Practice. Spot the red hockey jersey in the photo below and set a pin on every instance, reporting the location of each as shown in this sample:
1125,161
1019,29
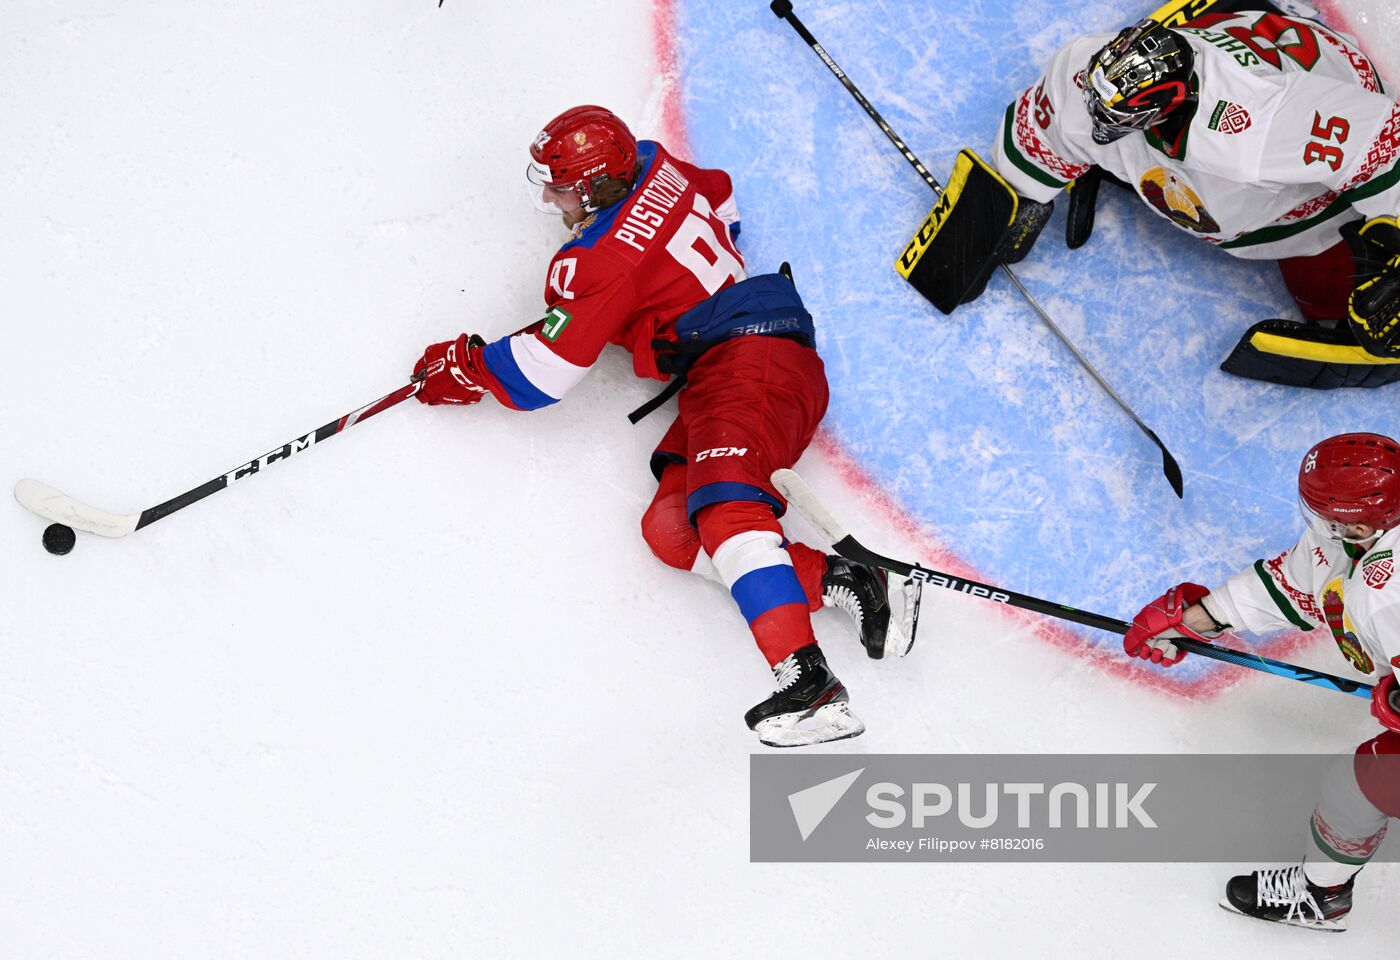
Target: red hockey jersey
624,277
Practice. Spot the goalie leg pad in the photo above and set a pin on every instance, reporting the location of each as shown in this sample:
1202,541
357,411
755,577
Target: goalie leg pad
1303,355
955,249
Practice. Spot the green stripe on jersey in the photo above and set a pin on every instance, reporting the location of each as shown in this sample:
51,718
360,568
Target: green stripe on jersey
1343,203
1284,605
1018,158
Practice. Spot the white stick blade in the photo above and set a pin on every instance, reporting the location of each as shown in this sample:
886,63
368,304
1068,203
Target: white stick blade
57,506
795,489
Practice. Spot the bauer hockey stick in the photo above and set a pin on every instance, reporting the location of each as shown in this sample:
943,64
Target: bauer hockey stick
795,489
783,9
57,506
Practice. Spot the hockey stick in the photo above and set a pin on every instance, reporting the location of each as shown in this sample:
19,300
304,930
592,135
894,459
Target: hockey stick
783,9
795,489
54,505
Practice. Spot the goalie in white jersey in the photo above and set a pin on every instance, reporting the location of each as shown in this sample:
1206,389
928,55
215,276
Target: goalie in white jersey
1339,577
1268,136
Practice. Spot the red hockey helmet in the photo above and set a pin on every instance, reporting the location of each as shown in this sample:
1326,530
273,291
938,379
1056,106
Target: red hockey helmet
580,149
1351,478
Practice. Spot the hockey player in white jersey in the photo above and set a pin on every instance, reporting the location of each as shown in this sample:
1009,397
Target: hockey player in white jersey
1340,577
1268,136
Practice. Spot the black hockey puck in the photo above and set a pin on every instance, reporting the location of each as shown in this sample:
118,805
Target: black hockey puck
59,539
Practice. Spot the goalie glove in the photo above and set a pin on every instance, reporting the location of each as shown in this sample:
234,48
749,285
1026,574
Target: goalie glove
1375,303
1031,218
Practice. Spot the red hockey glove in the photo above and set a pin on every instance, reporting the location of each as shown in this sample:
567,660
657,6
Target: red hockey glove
1158,623
453,372
1385,703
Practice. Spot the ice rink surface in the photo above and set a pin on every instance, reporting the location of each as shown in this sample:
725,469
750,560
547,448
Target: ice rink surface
424,692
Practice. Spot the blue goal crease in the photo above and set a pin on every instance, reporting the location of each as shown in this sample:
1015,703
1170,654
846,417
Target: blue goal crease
996,441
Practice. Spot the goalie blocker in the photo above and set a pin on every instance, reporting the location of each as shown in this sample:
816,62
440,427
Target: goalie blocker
974,227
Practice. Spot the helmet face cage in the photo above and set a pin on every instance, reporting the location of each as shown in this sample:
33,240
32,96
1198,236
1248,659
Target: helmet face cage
1141,76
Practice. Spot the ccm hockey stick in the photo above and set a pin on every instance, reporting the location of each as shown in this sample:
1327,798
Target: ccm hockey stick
54,505
783,9
795,489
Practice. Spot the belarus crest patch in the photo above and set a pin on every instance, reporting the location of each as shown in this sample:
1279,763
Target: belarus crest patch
1377,570
1230,118
1334,609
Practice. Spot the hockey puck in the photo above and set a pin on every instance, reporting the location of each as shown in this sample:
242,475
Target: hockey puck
59,539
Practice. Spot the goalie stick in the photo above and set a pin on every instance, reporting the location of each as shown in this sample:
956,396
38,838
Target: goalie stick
51,504
795,489
783,9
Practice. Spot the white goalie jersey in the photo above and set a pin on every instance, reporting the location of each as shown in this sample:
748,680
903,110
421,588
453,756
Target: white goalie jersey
1293,134
1323,583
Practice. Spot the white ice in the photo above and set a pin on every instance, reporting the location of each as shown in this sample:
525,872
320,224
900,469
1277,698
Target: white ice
423,692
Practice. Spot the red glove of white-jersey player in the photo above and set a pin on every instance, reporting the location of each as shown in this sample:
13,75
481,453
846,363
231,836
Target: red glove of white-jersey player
1157,624
1385,703
453,372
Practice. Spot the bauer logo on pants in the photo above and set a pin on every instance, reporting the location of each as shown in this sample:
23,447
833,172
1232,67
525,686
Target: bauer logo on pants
833,808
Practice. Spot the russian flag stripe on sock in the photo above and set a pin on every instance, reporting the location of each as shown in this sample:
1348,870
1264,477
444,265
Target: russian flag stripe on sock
761,590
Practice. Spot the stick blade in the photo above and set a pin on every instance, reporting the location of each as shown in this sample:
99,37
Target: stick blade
795,489
44,500
1170,467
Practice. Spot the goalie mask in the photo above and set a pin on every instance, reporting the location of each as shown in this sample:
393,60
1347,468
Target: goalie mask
1138,79
1351,478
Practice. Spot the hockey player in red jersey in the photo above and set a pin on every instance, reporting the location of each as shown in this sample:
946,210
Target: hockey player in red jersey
1337,577
1268,136
651,265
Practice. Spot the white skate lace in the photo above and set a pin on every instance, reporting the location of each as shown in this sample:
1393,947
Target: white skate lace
1286,887
787,672
844,598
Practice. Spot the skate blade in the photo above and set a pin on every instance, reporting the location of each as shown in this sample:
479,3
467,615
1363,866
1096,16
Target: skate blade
823,725
1321,926
903,629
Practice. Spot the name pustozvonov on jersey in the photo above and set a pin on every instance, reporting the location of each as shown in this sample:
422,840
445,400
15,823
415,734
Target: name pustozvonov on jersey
649,209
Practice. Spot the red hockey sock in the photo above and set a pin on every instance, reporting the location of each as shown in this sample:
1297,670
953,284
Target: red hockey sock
745,541
809,564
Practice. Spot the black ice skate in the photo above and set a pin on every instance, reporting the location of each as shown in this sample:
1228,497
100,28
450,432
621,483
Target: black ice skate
864,593
810,705
1285,895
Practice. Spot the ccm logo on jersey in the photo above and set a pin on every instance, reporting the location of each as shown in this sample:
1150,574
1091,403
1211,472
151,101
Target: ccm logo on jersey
721,452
